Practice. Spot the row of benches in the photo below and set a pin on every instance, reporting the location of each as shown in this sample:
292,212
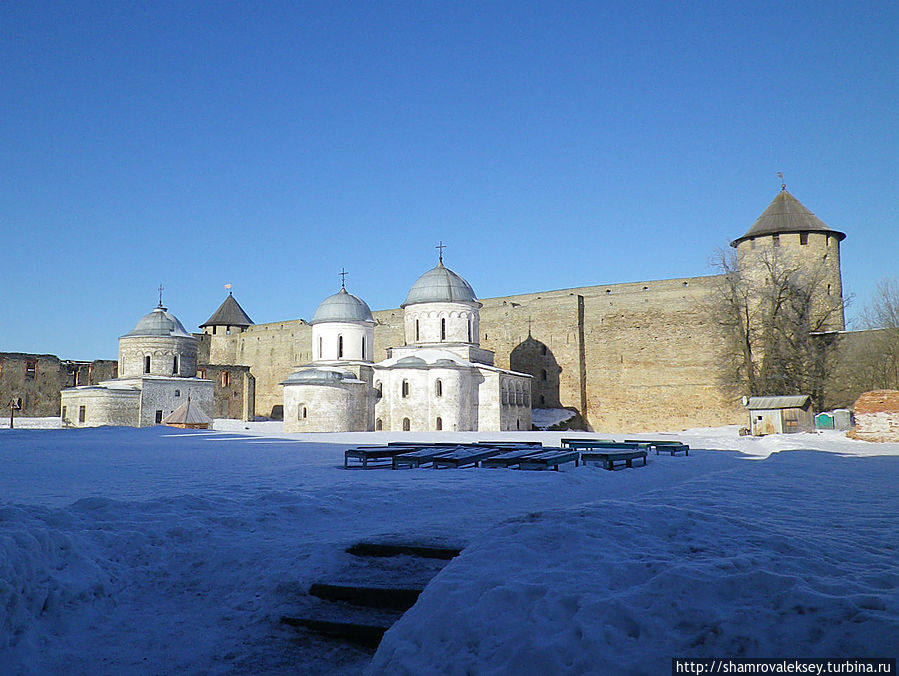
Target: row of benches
524,455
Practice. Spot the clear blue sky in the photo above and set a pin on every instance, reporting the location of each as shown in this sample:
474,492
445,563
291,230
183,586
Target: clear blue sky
550,145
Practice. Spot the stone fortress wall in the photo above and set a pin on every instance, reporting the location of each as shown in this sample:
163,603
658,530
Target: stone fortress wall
632,356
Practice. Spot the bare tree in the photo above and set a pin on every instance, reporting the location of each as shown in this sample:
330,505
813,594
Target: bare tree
777,322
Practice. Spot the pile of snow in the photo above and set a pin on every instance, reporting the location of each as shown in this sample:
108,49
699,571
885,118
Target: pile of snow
177,551
542,418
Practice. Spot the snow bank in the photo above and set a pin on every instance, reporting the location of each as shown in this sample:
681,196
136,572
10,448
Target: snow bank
705,569
176,551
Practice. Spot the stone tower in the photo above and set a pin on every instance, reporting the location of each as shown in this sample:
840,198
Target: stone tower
158,346
788,233
223,327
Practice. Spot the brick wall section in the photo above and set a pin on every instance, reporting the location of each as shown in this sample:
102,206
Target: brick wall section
877,416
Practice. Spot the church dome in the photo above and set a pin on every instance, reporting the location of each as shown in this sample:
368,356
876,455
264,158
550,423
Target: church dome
440,285
342,307
319,376
158,323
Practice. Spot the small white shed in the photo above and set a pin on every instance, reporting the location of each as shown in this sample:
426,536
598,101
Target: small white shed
780,415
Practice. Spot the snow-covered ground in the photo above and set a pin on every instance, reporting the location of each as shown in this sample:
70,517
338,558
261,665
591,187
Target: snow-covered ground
171,551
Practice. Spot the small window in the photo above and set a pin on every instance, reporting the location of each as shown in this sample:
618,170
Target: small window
379,424
363,348
30,369
438,388
405,389
201,373
443,328
340,347
320,345
439,424
775,239
828,289
158,417
213,330
379,390
417,333
177,393
147,364
543,350
175,366
543,375
406,425
301,412
542,401
226,379
470,322
803,238
82,413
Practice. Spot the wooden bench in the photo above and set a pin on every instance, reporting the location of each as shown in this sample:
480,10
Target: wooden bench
668,446
467,455
609,454
421,456
508,458
584,444
366,454
551,457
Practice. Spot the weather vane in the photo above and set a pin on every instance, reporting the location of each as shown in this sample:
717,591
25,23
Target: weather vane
228,286
343,274
440,247
780,175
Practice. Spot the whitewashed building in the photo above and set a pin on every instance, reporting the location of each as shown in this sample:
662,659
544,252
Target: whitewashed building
440,379
157,373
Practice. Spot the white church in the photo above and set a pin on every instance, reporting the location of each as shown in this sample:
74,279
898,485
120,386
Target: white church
440,379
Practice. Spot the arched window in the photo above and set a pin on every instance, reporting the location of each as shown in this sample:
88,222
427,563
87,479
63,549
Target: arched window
519,397
543,375
406,425
443,328
340,347
505,395
439,424
543,349
147,364
438,387
175,366
363,348
470,322
301,412
320,346
379,424
406,389
417,331
379,390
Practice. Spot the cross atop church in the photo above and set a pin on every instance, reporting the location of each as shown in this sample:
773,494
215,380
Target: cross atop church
160,294
343,274
440,247
529,326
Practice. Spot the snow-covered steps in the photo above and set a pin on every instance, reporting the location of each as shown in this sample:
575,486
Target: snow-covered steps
378,582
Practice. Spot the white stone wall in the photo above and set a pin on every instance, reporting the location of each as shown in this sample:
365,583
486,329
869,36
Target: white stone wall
102,406
339,407
162,351
456,405
326,338
167,394
434,323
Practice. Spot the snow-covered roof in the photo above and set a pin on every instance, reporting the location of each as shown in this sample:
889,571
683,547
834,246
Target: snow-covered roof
767,403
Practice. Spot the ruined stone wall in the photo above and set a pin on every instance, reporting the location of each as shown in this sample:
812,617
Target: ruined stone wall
37,379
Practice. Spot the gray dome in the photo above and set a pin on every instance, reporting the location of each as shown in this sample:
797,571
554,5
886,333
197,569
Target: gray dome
317,375
342,307
158,323
440,285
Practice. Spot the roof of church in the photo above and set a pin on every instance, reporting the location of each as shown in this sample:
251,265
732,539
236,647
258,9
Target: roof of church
188,413
320,375
158,323
229,314
786,214
342,307
440,285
